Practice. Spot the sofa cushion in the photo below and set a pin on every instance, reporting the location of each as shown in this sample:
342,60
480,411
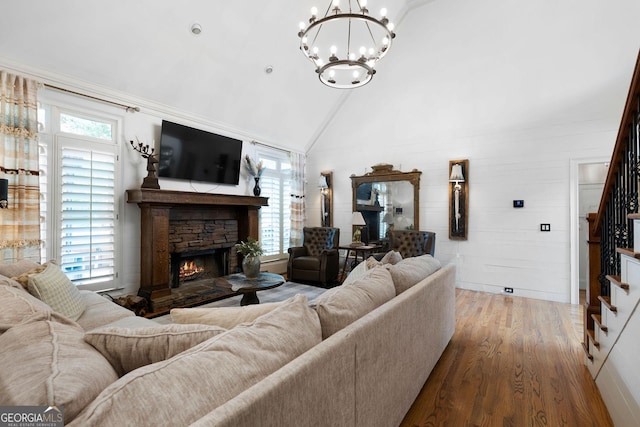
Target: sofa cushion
342,305
54,288
7,281
209,374
410,271
128,349
226,317
100,311
18,305
357,273
14,269
47,362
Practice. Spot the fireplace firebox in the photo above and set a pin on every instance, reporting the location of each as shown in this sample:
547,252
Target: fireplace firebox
198,265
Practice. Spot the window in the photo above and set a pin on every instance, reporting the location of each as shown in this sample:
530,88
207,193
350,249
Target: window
275,219
78,162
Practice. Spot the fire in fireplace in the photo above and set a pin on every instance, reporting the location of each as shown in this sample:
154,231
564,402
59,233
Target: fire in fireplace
190,270
198,265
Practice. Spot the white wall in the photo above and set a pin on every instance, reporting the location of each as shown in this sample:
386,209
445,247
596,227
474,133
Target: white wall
519,89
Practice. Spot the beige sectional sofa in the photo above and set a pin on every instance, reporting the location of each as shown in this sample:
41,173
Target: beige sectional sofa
356,356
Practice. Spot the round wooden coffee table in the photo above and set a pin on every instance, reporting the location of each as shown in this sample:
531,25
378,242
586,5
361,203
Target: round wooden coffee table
238,282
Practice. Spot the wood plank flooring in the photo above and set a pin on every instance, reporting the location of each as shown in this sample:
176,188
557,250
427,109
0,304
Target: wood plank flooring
511,362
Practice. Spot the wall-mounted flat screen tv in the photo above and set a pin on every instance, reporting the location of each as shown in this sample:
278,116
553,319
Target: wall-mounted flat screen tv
194,154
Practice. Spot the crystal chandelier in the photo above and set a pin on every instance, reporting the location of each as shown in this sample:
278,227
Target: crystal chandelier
346,45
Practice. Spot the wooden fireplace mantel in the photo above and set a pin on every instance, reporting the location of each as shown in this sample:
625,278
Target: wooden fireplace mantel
167,197
159,207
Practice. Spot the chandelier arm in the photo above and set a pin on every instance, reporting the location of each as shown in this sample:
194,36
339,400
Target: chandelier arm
317,34
349,38
373,39
320,26
328,9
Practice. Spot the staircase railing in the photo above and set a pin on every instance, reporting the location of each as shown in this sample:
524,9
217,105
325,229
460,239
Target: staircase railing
611,228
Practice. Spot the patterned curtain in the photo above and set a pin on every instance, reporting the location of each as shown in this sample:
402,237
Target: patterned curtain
297,199
20,223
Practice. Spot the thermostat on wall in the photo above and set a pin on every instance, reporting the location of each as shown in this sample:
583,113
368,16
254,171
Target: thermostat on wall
518,203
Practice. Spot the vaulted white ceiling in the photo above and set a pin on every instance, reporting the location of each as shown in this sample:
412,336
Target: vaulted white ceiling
144,49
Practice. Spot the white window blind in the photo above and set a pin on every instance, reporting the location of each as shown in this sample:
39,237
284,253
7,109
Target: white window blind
87,214
275,219
78,186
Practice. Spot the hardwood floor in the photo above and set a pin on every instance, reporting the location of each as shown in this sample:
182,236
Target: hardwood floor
511,362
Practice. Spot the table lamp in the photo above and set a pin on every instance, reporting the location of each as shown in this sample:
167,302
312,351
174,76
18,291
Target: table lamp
357,220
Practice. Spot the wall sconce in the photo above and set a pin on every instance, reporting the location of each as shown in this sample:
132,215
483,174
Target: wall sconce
458,199
357,220
4,193
326,199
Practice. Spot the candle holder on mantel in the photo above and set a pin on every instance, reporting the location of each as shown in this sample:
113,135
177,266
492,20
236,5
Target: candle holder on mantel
151,180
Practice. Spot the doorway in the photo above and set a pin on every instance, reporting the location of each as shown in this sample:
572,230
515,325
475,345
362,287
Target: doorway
587,182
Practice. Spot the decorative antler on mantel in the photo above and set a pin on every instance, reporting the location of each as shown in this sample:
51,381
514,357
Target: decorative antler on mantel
146,151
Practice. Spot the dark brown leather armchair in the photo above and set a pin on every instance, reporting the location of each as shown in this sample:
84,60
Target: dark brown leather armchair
317,260
413,242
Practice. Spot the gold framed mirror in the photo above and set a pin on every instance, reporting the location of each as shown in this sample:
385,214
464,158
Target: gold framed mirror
388,199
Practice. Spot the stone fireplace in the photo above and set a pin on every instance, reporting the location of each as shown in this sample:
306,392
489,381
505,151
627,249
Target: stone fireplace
176,225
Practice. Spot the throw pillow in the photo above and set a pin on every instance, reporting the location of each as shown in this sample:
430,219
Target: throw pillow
23,278
46,362
209,374
54,288
372,263
225,317
391,257
17,268
340,306
18,305
410,271
356,274
128,349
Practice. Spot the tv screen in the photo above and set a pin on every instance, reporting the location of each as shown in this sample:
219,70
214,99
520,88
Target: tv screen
193,154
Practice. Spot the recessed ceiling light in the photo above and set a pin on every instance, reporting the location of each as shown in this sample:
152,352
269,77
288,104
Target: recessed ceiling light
268,69
196,29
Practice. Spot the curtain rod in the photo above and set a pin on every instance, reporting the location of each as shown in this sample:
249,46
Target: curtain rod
270,146
127,108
